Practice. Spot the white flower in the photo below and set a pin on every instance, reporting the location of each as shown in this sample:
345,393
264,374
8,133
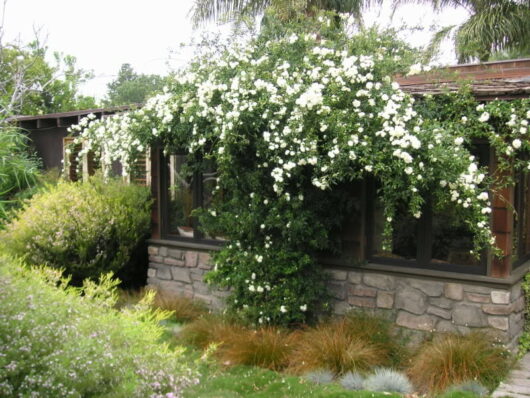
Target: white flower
283,309
303,308
483,196
459,141
260,289
408,170
484,117
516,143
368,168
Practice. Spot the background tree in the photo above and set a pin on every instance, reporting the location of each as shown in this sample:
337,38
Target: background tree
206,10
494,29
29,84
132,88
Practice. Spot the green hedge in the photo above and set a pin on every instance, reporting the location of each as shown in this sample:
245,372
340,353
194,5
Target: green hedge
84,228
61,341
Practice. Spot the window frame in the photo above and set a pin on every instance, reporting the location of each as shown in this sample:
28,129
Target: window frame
197,201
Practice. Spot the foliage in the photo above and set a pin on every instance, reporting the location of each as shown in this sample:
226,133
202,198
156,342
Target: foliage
336,347
18,169
451,358
31,85
472,386
182,308
248,382
380,333
385,379
204,10
208,330
524,340
266,347
320,376
84,228
493,27
130,87
352,381
59,341
290,119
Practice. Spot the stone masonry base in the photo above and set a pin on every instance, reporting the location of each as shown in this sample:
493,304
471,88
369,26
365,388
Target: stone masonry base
413,302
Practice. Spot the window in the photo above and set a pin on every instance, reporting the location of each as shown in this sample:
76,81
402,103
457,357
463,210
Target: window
184,190
437,240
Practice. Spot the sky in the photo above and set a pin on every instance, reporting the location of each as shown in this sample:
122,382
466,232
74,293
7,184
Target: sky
104,34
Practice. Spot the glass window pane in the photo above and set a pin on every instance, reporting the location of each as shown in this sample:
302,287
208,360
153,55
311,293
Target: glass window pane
404,242
180,198
521,220
452,240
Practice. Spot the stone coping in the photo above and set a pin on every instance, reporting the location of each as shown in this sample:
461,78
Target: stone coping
515,277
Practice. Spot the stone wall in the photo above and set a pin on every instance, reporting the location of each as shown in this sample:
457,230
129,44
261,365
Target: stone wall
413,302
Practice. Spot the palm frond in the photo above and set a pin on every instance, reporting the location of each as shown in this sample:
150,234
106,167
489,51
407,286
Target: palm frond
497,26
434,45
216,10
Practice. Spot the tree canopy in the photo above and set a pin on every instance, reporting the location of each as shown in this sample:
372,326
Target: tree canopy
130,87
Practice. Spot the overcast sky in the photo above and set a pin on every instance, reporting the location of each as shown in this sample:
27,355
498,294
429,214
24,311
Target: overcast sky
104,34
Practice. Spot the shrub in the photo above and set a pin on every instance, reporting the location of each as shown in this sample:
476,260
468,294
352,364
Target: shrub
451,358
320,376
59,341
336,347
267,347
388,380
18,169
84,228
352,381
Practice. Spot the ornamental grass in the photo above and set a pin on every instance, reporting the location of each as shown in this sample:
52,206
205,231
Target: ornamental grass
337,347
267,347
451,358
209,329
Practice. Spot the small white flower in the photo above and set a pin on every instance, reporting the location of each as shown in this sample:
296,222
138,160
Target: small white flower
283,309
459,141
303,308
516,143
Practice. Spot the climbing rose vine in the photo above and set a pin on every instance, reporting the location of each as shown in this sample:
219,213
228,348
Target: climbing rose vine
290,119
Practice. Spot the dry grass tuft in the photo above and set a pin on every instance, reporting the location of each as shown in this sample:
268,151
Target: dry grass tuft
451,358
334,346
209,329
184,308
382,334
267,347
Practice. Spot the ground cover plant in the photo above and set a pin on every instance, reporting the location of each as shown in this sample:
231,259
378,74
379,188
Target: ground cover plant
59,341
84,228
288,117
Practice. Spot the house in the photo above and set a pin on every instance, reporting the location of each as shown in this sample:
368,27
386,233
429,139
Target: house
425,283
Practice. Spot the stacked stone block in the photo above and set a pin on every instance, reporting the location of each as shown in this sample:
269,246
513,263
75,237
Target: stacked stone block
181,272
432,305
413,302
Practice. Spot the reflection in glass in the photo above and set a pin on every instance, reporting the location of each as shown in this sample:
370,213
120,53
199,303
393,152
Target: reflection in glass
452,240
404,243
180,198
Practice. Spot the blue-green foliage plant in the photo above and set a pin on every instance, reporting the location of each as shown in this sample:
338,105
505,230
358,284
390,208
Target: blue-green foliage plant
472,386
85,228
388,380
320,376
352,381
61,341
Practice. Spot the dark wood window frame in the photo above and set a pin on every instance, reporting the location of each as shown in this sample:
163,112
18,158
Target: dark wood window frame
197,202
425,241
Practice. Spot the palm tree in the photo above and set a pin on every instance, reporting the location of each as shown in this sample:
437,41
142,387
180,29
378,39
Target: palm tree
206,10
494,27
